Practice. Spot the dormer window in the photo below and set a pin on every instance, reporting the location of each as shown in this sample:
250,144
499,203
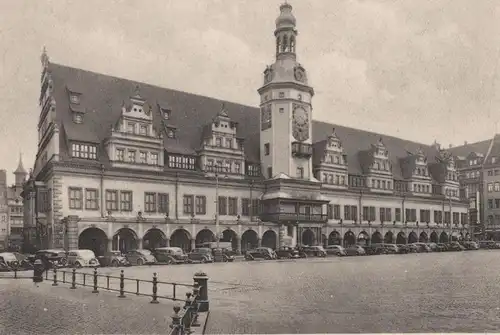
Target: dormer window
165,113
74,98
78,118
143,129
85,151
218,142
170,133
130,127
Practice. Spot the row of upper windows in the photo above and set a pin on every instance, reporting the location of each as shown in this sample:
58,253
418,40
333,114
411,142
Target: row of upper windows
381,184
144,157
335,159
226,166
382,165
495,172
421,171
334,179
473,174
137,128
493,187
122,200
385,214
493,203
451,192
419,188
226,142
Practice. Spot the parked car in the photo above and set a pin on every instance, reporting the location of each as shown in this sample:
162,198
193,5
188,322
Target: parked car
4,267
9,259
433,246
56,257
413,248
441,247
391,248
336,250
170,255
422,247
222,254
455,246
82,258
314,251
471,245
403,248
374,249
487,244
140,257
114,259
287,252
23,260
355,250
259,253
202,255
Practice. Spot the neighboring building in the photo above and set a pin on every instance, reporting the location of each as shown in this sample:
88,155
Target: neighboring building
122,164
479,168
4,211
16,212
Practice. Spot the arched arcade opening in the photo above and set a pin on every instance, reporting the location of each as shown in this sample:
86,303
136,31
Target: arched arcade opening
204,236
230,235
308,237
434,237
376,238
334,238
388,237
94,239
269,239
125,240
154,238
182,239
412,237
249,240
401,238
443,237
363,238
349,238
423,237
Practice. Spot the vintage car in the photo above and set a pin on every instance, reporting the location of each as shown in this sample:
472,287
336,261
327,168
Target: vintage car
422,247
287,252
140,257
336,250
170,255
23,260
312,251
375,249
82,258
202,255
355,250
9,259
260,253
113,258
455,246
56,257
222,255
471,245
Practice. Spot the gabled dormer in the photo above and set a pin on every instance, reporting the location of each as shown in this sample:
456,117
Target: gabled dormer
376,166
75,105
330,162
444,172
134,142
220,147
415,172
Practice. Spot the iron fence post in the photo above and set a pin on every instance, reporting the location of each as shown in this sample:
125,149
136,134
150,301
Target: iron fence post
122,285
15,273
176,322
95,290
201,280
155,289
55,278
73,279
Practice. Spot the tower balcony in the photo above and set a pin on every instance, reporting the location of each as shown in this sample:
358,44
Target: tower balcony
303,150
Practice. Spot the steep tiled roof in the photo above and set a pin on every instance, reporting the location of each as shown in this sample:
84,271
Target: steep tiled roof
103,96
464,150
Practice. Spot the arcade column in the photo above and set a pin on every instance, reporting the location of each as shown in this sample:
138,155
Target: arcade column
294,236
110,244
139,243
167,242
193,244
259,242
238,245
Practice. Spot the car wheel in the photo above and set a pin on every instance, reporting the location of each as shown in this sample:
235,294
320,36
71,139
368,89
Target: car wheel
224,259
114,263
170,261
203,260
78,265
140,261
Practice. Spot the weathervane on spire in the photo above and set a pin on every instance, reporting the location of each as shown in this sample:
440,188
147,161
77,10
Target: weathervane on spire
44,58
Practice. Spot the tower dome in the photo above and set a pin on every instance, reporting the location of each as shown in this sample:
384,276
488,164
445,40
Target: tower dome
286,18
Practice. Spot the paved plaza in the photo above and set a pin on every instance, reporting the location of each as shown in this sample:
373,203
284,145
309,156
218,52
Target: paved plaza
435,292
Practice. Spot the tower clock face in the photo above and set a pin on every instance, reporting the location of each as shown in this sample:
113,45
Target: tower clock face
300,124
299,74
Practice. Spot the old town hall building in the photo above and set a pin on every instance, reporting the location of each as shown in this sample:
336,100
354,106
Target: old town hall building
123,164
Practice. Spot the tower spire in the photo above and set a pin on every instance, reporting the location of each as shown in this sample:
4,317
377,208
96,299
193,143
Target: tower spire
20,168
285,33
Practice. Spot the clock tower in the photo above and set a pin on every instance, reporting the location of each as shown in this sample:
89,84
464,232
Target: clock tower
285,107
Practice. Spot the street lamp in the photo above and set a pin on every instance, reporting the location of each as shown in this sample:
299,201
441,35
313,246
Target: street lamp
217,236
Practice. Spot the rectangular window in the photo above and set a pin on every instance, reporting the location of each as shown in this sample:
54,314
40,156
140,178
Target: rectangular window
201,205
229,143
300,173
270,172
447,218
188,204
131,156
354,213
75,198
218,142
126,201
382,215
130,127
237,168
222,201
232,206
181,162
111,200
497,203
154,158
163,203
397,214
91,199
372,214
497,187
143,156
347,212
329,211
336,212
490,187
120,155
388,214
456,218
255,207
490,203
245,207
143,129
84,151
266,149
149,202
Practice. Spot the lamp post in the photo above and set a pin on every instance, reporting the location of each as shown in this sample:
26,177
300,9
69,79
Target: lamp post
217,237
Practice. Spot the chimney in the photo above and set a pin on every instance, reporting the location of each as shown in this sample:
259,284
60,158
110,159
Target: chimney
437,145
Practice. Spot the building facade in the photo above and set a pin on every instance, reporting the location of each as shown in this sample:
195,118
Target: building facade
124,165
16,209
4,211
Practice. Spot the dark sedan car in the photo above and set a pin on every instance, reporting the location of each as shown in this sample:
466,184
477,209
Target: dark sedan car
170,255
287,252
114,259
56,257
202,255
259,253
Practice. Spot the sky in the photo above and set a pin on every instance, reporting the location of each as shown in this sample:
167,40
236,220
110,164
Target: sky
421,70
